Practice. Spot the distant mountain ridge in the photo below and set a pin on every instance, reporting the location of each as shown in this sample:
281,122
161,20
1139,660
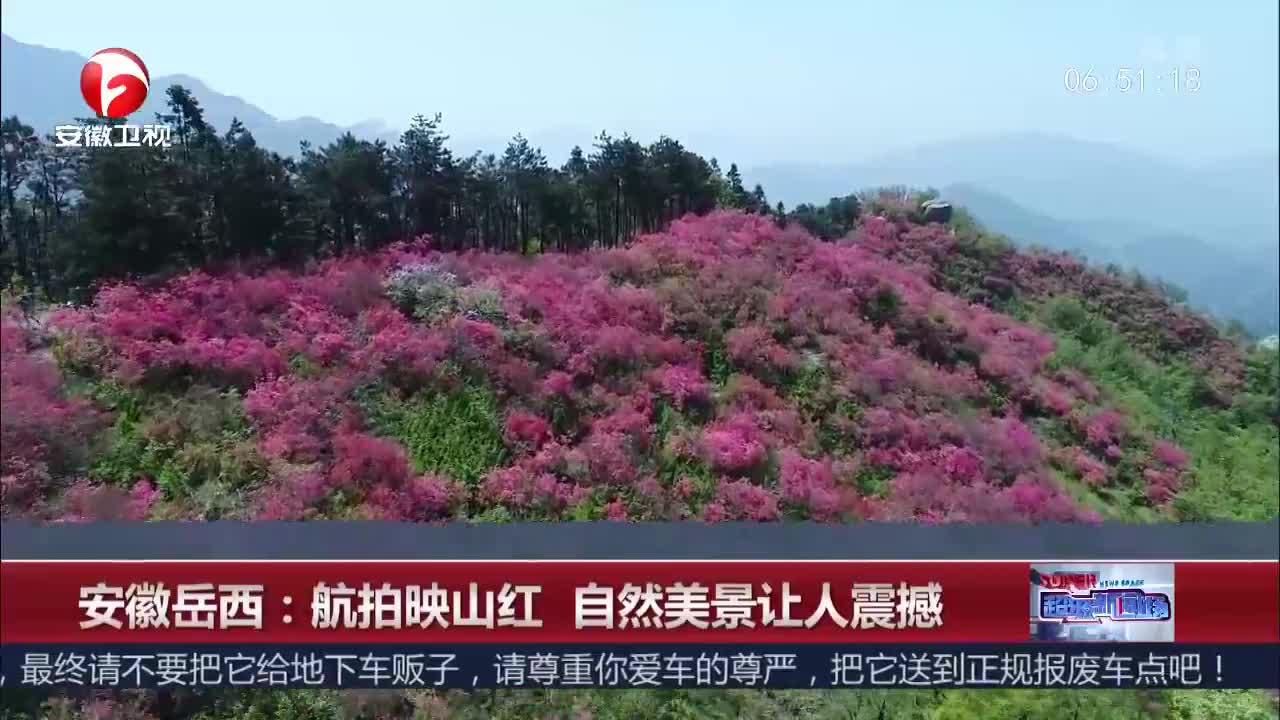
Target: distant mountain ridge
1231,283
29,88
41,86
1234,202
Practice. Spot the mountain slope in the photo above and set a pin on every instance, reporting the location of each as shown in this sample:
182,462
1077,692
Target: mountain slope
727,369
1240,284
1027,226
42,86
1256,172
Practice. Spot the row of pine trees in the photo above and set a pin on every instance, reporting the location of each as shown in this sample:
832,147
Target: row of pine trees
74,216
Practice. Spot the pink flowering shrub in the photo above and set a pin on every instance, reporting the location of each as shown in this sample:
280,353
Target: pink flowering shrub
1089,468
1165,477
526,429
524,490
1012,446
296,417
725,369
1053,398
85,502
682,384
422,498
752,347
1169,455
609,456
962,464
1076,381
734,445
1105,428
1037,499
558,383
362,462
811,484
741,500
44,433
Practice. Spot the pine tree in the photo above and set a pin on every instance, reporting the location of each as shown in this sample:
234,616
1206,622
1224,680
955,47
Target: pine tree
737,196
18,142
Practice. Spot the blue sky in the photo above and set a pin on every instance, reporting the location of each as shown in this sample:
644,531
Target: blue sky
797,80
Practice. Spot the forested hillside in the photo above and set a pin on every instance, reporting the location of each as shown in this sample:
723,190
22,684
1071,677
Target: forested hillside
75,216
398,334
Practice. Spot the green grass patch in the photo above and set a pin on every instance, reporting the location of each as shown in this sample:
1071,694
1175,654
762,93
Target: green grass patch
196,446
1235,469
715,358
671,467
813,391
873,480
456,433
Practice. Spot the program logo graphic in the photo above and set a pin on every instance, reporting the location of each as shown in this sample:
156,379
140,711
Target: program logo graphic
1102,602
114,82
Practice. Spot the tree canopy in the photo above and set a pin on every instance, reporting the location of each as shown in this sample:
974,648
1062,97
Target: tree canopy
75,216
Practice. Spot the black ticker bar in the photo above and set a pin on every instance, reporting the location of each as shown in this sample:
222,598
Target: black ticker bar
1078,665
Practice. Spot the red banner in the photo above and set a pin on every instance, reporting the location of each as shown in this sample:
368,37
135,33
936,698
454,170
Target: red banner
597,601
1228,602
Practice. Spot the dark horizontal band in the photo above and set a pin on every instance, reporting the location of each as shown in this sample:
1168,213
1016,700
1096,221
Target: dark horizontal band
336,540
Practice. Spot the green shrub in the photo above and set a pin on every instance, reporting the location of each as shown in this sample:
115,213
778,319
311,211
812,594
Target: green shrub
481,303
181,442
873,480
1235,468
424,291
882,307
457,433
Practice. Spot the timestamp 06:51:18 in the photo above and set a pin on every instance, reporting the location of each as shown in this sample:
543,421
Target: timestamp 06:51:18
1133,80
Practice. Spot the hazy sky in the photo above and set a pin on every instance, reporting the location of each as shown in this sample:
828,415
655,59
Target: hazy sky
798,80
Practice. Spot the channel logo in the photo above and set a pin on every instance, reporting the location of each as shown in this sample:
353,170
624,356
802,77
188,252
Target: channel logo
114,83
